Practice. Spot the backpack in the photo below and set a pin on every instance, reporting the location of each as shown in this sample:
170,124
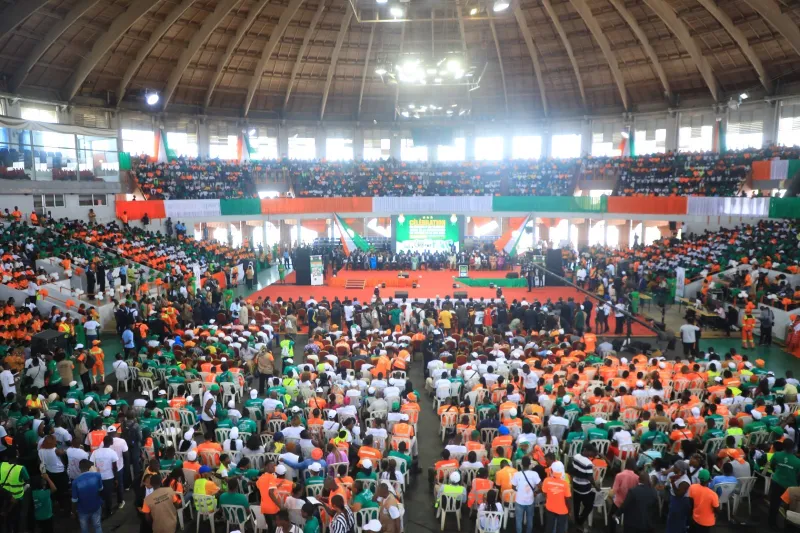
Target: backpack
90,361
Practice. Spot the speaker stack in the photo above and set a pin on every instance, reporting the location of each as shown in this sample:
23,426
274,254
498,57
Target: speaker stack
460,295
401,294
555,264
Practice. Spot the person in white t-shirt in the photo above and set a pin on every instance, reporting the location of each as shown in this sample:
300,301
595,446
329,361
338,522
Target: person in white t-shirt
688,333
75,454
121,369
525,482
120,446
107,462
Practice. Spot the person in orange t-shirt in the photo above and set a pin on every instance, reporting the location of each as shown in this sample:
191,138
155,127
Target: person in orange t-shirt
706,501
558,497
267,486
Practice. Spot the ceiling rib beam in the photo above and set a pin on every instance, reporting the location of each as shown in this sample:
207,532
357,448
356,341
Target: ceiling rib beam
740,39
337,48
364,72
274,38
255,10
568,47
116,30
51,37
628,17
16,14
463,36
302,52
679,29
499,60
602,41
209,24
145,50
771,12
534,53
399,57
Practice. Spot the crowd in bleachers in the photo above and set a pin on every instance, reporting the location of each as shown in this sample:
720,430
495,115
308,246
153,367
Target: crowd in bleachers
186,178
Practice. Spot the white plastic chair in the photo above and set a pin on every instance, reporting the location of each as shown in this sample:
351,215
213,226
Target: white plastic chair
489,522
259,522
449,505
363,516
236,515
744,486
600,498
725,496
206,507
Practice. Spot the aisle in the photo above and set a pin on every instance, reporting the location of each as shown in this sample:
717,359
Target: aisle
420,513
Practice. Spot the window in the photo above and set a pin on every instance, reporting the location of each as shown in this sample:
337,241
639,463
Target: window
696,133
526,147
606,138
489,148
222,141
303,148
745,129
338,149
650,136
41,201
789,124
98,155
40,114
409,152
54,155
87,200
265,144
377,149
566,145
182,144
454,152
138,142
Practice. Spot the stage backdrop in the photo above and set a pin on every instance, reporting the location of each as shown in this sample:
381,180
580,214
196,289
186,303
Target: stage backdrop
427,231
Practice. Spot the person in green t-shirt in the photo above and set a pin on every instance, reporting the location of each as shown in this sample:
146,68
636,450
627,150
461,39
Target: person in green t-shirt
43,504
312,522
232,497
363,498
785,470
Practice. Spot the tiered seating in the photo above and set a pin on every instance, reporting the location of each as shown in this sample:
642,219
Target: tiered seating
191,178
542,177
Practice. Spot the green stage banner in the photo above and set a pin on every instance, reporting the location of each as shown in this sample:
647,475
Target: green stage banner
427,228
124,161
514,283
550,204
241,206
784,208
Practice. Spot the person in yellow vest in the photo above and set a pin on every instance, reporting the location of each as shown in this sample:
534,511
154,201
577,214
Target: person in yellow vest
34,399
204,486
99,368
95,437
14,478
748,325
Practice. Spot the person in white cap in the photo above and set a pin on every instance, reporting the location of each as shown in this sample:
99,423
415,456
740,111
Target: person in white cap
390,512
452,488
557,499
233,443
373,525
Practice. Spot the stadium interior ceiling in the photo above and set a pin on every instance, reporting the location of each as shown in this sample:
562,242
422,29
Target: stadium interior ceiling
351,60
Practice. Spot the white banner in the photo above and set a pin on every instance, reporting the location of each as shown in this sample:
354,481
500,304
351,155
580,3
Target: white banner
180,209
433,205
317,270
735,207
680,282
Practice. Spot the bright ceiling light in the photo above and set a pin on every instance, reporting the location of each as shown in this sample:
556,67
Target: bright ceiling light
380,71
500,5
437,80
744,96
396,12
253,132
404,113
381,1
473,11
453,65
152,98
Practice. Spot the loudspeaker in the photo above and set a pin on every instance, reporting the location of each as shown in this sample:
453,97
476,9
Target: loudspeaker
414,285
491,285
302,267
673,226
555,264
401,294
47,341
460,295
512,275
383,285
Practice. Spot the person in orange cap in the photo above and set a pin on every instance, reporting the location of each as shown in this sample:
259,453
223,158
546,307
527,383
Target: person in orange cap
99,368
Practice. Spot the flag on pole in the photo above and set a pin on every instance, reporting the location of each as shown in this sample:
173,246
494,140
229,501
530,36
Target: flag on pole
508,241
350,239
244,149
162,153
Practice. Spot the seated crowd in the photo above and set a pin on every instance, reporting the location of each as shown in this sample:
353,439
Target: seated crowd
670,174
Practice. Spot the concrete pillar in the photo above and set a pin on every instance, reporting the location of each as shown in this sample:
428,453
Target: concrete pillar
624,235
544,232
264,234
203,140
508,145
771,118
285,234
433,153
299,226
320,143
394,146
665,231
358,144
569,232
547,144
586,138
605,233
283,141
672,132
583,233
469,144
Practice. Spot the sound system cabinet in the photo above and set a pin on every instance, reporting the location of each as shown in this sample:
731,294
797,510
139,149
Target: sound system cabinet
302,267
460,295
555,264
47,341
400,294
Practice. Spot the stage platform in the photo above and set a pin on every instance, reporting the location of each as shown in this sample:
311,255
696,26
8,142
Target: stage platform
430,284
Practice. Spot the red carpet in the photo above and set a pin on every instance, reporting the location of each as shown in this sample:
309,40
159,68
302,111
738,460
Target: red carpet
430,284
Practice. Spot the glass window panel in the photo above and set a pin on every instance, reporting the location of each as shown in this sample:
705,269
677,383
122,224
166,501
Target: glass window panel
526,147
302,148
453,152
138,142
40,114
223,147
409,152
566,145
339,149
695,139
489,148
377,149
183,144
265,147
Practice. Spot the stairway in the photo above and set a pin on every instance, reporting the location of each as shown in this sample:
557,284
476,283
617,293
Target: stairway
355,283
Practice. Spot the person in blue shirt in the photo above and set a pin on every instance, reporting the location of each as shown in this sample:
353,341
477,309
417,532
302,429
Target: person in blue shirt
127,339
726,477
87,501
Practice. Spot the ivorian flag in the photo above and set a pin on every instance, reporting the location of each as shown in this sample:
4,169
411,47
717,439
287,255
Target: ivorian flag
162,153
350,239
244,149
507,241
